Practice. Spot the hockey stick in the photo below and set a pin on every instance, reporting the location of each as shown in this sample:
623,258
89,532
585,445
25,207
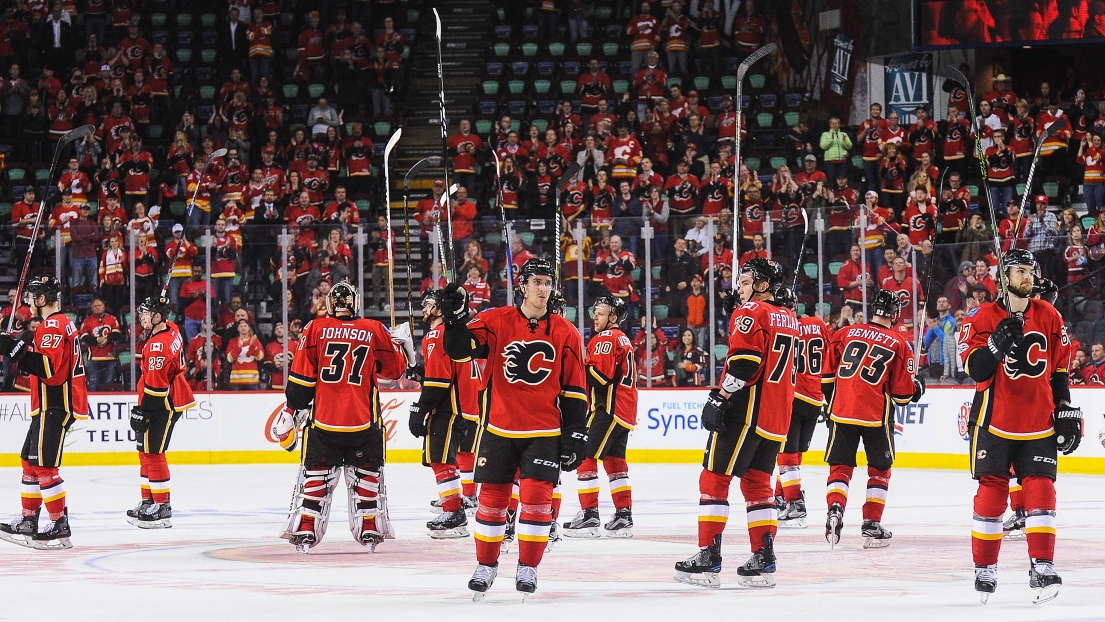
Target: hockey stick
390,241
411,174
569,174
1049,131
801,248
443,121
506,230
444,202
218,153
63,142
742,69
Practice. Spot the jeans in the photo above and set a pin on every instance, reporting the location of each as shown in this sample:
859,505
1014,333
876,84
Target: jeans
258,66
84,271
578,28
677,62
1000,194
174,294
467,180
636,60
223,285
99,373
1095,197
871,171
199,217
834,169
191,328
381,103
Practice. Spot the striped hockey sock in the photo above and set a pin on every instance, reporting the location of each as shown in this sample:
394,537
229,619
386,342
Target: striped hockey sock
144,474
588,487
448,486
986,531
837,490
790,476
535,517
1039,524
53,491
30,495
620,490
759,506
713,505
466,463
877,484
157,467
490,521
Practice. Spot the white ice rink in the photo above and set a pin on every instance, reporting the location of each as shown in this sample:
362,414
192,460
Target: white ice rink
222,559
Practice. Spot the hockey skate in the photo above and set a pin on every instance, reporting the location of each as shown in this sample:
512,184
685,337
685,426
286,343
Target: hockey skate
1013,527
875,536
21,530
759,570
793,514
508,536
470,504
986,581
133,513
554,537
702,568
780,503
154,516
834,523
371,539
584,525
449,525
525,581
56,536
621,526
302,541
481,581
1043,580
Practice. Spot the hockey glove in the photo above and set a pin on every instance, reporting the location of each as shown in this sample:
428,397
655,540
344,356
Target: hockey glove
12,347
713,412
285,429
918,388
573,449
139,420
402,336
417,423
1068,428
1008,334
823,415
416,372
454,305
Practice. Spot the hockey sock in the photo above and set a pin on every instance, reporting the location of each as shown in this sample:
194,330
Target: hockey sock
620,490
1016,495
448,486
588,486
491,522
790,476
53,491
840,475
466,463
144,473
986,531
30,495
158,469
759,506
1039,524
877,483
535,517
713,505
557,497
514,495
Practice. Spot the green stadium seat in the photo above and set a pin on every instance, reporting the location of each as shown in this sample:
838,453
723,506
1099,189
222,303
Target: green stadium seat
529,49
157,20
728,83
609,49
184,55
541,125
757,80
382,128
541,87
752,162
835,266
207,20
583,48
765,120
483,126
556,48
660,312
621,86
791,119
502,50
6,209
316,90
720,350
702,83
811,270
490,87
656,273
570,314
516,86
777,162
291,91
568,87
207,92
184,19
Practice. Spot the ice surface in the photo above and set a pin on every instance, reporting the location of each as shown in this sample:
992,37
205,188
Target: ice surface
222,560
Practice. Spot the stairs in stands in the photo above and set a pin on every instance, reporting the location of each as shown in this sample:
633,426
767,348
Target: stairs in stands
465,41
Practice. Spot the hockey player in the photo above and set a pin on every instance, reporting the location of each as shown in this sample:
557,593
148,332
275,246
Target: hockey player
868,369
59,396
163,396
535,415
1017,350
339,359
809,356
748,416
447,402
612,385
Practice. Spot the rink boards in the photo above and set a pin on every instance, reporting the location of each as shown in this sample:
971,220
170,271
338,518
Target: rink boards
228,428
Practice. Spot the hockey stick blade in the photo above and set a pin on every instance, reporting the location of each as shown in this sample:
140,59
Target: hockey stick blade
419,166
1055,127
437,18
77,134
218,153
392,142
753,58
573,169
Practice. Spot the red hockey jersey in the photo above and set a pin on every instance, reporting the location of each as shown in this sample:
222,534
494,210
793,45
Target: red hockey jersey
809,359
164,385
611,375
870,368
56,366
764,335
462,380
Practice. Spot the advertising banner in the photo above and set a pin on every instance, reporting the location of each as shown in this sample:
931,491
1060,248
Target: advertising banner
907,86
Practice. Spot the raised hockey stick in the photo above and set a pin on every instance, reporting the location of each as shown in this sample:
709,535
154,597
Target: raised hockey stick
569,174
445,261
218,153
65,140
414,171
506,230
443,122
742,69
390,241
1049,131
801,248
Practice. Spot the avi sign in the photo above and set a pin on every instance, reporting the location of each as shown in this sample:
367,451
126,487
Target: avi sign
907,86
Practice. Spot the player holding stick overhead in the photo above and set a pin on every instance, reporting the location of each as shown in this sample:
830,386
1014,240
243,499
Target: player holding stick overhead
59,396
163,395
1017,350
612,383
748,416
868,369
335,370
445,414
535,415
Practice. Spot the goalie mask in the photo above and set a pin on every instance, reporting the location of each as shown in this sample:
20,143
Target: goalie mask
342,299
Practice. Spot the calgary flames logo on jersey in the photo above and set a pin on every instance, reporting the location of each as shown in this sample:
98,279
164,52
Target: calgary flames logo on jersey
1029,359
528,361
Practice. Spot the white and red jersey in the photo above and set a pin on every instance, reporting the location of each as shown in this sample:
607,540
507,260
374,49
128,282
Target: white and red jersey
677,30
1022,136
55,363
1094,164
78,184
246,355
464,148
869,134
762,343
809,359
920,228
645,30
628,150
752,220
336,367
1057,141
870,370
612,376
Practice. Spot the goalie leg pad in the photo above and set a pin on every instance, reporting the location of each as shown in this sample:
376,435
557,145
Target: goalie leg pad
363,486
310,511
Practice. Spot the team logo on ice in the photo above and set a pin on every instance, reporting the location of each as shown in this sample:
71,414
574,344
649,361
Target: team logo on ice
528,361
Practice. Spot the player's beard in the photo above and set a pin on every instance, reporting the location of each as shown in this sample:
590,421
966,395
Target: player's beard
1025,291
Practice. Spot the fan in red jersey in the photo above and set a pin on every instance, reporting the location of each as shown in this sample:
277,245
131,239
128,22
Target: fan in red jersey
59,396
336,368
535,415
868,369
163,396
1017,351
748,416
446,415
612,384
809,357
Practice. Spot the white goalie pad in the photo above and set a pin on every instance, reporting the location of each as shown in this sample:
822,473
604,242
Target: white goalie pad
311,481
361,507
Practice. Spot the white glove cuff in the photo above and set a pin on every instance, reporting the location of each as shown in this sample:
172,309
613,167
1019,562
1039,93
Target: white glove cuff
731,384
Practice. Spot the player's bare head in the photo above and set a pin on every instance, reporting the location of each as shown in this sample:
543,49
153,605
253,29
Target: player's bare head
342,301
1021,271
154,312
